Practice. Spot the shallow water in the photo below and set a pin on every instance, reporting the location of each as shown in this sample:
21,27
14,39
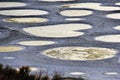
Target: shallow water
102,31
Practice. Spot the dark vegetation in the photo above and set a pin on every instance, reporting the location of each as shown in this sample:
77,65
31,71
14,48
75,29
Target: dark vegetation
9,73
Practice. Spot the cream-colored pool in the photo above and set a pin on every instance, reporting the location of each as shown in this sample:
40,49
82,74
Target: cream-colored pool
57,31
91,5
114,16
23,12
36,43
10,48
109,38
75,13
26,20
11,4
80,53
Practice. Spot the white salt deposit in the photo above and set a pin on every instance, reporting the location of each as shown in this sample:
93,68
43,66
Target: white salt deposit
95,6
114,16
10,48
80,53
117,28
58,31
23,12
76,73
111,73
36,43
109,38
11,4
75,13
26,20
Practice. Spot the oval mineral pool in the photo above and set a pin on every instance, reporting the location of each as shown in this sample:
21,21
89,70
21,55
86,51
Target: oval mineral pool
117,28
26,20
95,6
73,19
8,58
111,73
114,16
10,48
76,73
80,53
11,4
75,13
109,38
117,3
58,31
36,43
23,12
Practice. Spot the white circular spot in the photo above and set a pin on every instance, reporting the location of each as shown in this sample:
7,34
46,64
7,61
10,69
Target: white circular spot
80,53
111,73
33,69
73,19
23,12
57,31
10,58
95,6
114,16
55,0
117,3
117,28
74,13
11,4
10,48
26,20
36,43
109,38
76,73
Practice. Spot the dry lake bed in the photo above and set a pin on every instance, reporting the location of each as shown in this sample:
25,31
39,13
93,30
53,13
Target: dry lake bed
74,37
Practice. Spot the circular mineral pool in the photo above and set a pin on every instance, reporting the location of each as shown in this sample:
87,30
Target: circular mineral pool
75,13
10,48
109,38
23,12
36,43
26,20
58,31
11,4
80,53
114,16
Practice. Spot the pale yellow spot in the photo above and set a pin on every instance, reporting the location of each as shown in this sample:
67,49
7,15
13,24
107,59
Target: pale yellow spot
26,20
10,48
73,13
109,38
114,16
80,53
95,6
11,4
23,12
36,43
57,31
